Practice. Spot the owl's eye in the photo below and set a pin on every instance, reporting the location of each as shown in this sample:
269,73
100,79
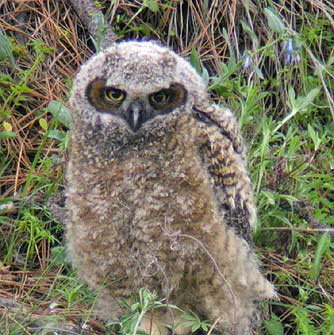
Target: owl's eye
114,94
167,99
160,98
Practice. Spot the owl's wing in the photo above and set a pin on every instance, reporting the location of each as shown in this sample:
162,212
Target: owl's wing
224,154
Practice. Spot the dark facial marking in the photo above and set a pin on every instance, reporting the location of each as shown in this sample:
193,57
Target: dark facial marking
104,98
168,99
108,99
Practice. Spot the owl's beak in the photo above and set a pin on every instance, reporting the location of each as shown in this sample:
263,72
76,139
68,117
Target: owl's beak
135,115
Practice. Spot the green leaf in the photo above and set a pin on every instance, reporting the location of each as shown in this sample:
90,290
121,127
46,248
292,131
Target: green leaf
7,134
195,327
8,127
43,123
323,245
258,72
56,134
274,22
195,60
152,5
302,103
230,47
205,76
6,48
135,307
299,104
101,31
274,326
247,29
205,326
314,136
58,256
269,196
190,317
60,113
292,94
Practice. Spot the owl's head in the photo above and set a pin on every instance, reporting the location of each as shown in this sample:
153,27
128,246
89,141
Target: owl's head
135,83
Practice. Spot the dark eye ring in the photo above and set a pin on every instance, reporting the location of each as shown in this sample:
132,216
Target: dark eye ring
114,94
160,98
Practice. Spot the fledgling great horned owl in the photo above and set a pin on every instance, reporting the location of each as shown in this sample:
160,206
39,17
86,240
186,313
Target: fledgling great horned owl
158,191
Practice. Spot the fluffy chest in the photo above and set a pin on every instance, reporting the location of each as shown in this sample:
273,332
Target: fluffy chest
160,181
128,210
145,185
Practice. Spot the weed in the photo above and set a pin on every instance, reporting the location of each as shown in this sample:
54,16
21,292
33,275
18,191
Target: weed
144,303
192,321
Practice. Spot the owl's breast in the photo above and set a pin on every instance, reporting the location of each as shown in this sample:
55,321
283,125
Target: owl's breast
163,181
132,208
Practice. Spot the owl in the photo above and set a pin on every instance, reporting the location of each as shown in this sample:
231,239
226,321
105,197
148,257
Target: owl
158,193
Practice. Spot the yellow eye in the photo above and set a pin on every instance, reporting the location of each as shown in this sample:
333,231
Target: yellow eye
114,94
160,97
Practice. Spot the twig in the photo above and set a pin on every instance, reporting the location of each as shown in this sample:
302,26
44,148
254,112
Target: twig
89,15
214,325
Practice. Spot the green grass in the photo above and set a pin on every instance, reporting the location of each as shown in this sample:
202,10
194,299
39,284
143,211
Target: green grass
272,63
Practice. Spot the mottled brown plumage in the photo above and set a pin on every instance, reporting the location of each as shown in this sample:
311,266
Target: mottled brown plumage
158,192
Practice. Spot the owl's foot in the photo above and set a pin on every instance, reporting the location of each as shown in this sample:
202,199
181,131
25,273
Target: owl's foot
153,326
162,324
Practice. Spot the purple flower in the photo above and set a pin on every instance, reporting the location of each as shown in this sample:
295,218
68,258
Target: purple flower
291,52
245,60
